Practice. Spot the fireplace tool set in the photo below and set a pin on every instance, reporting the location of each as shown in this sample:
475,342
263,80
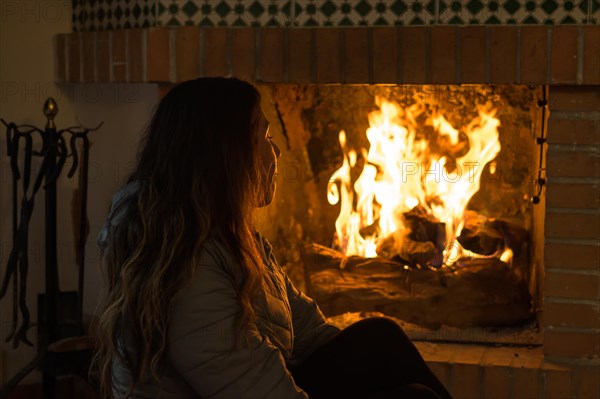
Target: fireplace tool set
62,346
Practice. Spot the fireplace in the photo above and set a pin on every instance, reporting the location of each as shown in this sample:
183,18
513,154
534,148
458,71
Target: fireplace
382,169
561,272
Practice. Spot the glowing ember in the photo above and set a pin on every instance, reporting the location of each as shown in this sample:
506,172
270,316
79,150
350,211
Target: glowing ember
402,172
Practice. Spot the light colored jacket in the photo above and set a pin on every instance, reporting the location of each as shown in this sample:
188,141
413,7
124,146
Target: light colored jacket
202,360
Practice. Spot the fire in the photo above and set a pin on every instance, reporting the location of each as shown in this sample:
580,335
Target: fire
403,172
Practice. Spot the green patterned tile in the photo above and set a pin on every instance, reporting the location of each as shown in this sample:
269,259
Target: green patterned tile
363,13
398,8
91,15
189,9
511,7
593,12
229,13
508,12
414,13
116,14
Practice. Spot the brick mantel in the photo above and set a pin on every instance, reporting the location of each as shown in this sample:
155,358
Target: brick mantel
396,55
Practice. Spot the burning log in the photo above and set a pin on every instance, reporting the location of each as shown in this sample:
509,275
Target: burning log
425,227
478,236
412,253
488,236
515,236
479,292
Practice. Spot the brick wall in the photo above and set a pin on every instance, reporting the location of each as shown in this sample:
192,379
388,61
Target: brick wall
572,227
438,55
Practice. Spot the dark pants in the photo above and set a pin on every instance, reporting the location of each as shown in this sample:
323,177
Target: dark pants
371,359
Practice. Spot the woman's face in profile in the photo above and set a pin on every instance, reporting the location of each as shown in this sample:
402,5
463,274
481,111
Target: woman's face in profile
269,152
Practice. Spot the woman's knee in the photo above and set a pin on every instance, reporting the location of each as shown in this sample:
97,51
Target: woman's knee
380,327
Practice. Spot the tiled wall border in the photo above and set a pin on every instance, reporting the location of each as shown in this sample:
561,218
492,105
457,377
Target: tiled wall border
98,15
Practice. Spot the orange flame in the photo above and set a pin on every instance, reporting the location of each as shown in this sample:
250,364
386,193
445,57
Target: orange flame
401,171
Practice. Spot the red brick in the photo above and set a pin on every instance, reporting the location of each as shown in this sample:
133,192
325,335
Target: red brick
88,59
534,52
440,353
385,55
503,356
527,383
472,54
60,52
187,53
572,164
413,52
564,54
215,52
74,58
271,55
243,63
443,54
328,55
441,371
470,354
591,57
529,358
574,98
571,344
103,56
573,131
577,286
571,315
118,45
356,55
135,56
300,56
158,55
558,384
566,225
503,51
496,383
465,381
119,65
588,382
583,196
572,256
120,73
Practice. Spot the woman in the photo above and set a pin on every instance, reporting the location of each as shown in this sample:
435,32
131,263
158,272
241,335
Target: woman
195,303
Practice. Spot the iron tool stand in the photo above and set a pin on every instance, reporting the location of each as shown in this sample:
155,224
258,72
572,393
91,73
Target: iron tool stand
60,314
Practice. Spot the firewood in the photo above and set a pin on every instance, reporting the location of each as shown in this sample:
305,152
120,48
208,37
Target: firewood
424,226
477,292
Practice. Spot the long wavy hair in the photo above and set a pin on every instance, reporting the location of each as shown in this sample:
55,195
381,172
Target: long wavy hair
198,173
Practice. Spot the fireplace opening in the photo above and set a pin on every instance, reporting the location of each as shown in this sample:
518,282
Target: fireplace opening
413,202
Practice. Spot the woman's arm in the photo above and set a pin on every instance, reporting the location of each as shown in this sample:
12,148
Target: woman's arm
202,344
311,330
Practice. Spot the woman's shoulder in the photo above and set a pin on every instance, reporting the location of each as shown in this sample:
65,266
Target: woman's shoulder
217,263
215,253
213,275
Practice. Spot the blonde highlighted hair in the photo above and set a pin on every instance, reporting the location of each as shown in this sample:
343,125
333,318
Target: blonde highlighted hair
197,174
